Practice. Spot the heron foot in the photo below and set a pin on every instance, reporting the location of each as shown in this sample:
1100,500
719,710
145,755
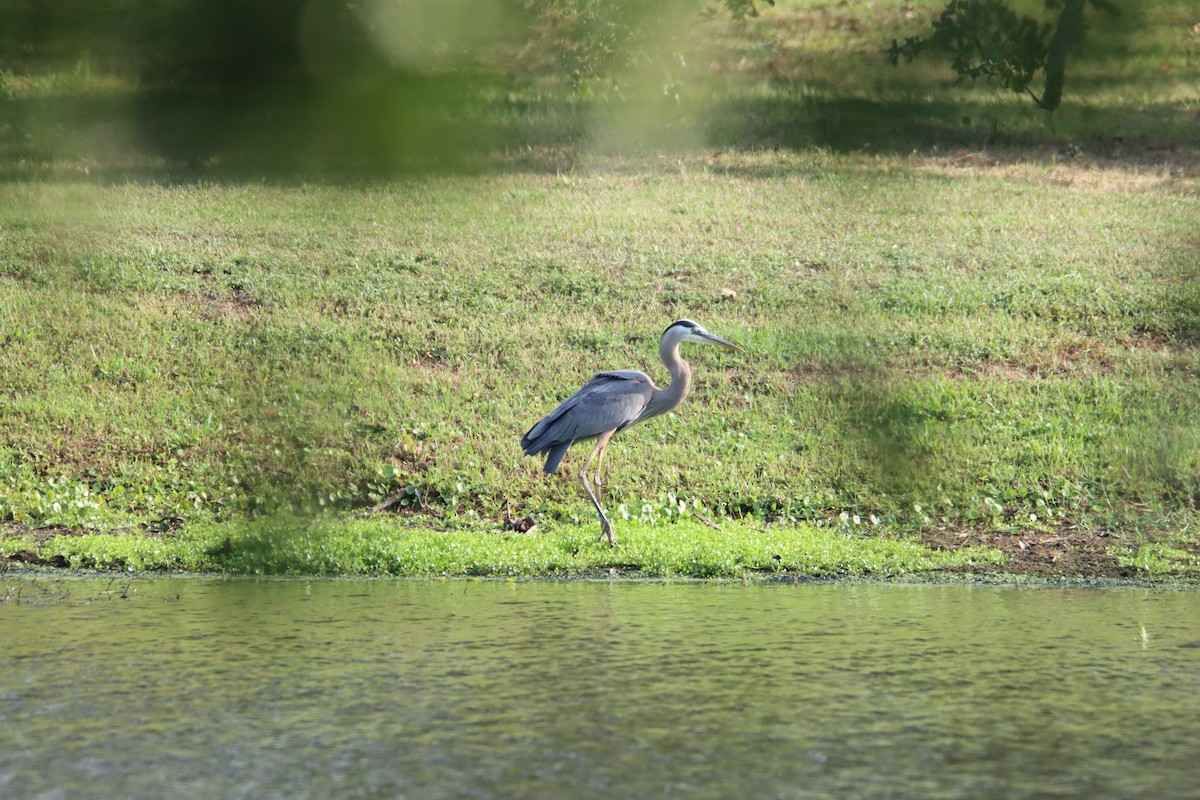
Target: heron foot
606,531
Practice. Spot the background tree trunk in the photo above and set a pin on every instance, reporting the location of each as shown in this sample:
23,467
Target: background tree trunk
1070,25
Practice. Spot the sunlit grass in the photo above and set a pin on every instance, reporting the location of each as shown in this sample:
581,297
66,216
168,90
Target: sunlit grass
374,547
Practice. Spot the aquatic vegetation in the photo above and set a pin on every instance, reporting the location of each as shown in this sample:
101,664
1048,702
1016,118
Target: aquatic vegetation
1160,558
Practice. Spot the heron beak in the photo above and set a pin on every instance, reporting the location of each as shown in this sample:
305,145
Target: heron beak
718,340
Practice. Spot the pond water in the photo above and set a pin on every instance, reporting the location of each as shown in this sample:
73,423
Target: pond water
284,688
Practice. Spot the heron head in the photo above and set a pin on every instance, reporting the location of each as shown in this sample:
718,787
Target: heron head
688,331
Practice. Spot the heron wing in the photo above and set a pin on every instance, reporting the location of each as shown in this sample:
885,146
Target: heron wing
609,401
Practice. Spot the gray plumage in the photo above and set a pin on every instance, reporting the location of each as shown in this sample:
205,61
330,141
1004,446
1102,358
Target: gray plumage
613,401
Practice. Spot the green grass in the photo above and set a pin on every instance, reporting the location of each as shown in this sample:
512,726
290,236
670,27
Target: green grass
288,546
1001,337
895,347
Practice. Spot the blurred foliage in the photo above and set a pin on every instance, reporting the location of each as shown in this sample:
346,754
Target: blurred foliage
233,45
341,84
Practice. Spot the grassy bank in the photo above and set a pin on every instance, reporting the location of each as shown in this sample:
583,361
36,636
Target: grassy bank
970,343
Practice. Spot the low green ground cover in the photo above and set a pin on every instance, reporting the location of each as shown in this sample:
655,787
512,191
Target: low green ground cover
997,338
338,546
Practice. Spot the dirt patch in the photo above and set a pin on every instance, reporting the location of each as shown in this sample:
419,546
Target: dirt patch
31,558
1072,552
1053,366
164,526
18,530
1002,370
1135,167
216,305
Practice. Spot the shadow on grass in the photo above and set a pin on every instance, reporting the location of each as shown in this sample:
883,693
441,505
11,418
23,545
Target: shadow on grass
454,126
1137,136
273,545
291,134
458,126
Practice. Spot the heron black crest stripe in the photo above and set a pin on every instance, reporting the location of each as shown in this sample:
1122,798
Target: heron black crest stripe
686,323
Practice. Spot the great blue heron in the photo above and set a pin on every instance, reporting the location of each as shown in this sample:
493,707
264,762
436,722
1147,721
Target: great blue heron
613,401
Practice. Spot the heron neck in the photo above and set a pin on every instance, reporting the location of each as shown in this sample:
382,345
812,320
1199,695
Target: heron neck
674,392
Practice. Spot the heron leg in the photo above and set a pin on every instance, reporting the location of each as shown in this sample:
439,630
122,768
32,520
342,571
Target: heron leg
598,475
606,531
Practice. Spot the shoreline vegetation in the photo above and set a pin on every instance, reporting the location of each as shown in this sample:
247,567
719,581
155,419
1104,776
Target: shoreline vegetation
972,326
688,548
685,550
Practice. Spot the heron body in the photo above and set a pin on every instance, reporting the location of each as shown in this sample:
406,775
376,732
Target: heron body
613,401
